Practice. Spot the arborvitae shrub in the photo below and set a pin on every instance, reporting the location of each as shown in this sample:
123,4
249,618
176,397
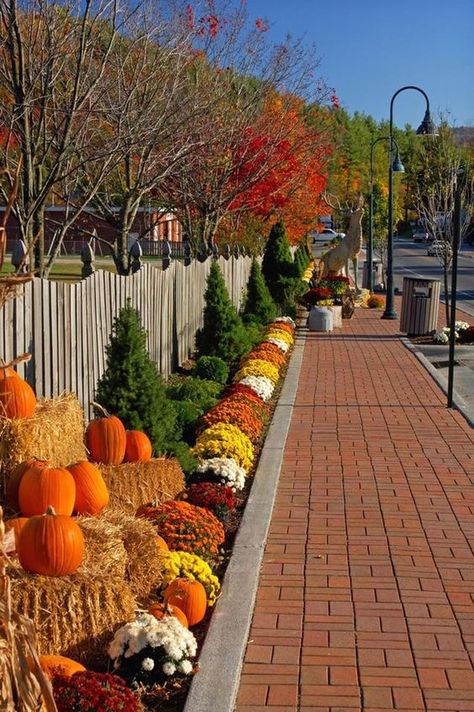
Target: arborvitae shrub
212,368
280,272
223,332
259,305
131,386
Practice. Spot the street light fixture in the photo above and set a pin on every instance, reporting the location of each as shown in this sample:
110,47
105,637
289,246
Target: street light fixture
397,167
426,128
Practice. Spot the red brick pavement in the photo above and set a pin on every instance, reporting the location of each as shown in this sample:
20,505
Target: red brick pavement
366,594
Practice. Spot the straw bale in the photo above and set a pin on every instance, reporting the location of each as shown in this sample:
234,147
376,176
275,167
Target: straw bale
74,615
105,553
144,569
134,483
55,433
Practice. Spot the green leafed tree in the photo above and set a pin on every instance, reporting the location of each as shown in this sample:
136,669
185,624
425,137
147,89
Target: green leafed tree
131,386
259,305
223,333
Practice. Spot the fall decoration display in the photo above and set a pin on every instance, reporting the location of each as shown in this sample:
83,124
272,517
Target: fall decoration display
105,553
42,486
138,448
72,615
93,691
131,385
223,470
13,484
51,544
133,483
218,499
55,665
282,345
244,391
106,439
375,301
223,333
273,332
54,433
23,681
225,440
17,398
92,494
150,650
267,352
238,413
258,367
182,564
188,595
186,527
160,610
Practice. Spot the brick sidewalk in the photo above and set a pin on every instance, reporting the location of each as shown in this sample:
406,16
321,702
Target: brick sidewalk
366,595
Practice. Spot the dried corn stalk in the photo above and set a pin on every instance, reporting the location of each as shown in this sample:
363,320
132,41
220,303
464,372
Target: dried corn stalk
23,685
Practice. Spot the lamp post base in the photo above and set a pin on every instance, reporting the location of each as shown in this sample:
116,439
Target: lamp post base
389,315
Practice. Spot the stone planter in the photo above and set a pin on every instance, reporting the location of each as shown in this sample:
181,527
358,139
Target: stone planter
336,315
302,315
320,319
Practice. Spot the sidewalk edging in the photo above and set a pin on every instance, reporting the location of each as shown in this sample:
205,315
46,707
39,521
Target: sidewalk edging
442,382
223,652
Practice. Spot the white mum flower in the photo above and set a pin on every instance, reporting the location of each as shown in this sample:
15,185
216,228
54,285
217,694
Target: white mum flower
226,468
286,319
185,667
169,669
282,345
262,386
148,664
441,337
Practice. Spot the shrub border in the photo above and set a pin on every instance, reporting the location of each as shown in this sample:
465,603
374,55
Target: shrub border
222,654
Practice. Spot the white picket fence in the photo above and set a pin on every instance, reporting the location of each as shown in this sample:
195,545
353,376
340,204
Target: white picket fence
66,327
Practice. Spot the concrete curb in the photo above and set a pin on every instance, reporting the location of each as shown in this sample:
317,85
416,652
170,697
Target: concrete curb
217,682
442,382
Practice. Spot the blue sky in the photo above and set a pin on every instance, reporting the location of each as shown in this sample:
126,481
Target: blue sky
370,49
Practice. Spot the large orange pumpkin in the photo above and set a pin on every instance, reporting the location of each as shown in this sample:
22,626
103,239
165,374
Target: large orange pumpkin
161,610
106,440
44,486
51,544
54,665
15,479
190,596
17,525
92,494
17,398
139,448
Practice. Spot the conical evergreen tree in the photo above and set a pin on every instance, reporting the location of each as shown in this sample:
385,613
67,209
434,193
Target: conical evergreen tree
223,333
131,386
279,270
259,305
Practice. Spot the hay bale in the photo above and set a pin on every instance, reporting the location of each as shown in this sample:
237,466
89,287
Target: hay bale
55,433
105,553
144,567
134,483
74,615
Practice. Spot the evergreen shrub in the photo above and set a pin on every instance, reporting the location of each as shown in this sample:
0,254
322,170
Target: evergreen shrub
212,368
259,305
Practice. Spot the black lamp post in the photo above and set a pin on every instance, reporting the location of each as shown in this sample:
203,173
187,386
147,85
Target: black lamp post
426,128
397,167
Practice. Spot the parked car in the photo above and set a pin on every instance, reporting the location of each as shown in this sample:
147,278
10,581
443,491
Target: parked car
420,235
438,248
326,234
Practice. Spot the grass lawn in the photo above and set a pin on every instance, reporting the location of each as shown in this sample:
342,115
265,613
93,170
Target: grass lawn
68,269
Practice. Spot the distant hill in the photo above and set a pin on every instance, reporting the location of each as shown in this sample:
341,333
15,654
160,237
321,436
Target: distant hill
464,135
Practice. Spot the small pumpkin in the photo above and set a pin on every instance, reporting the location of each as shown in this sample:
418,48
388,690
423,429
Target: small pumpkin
190,596
17,525
138,447
106,439
92,494
161,543
51,544
55,665
17,398
148,510
44,486
161,610
15,479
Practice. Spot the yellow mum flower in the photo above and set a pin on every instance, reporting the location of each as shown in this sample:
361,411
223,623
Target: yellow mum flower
225,440
258,367
181,564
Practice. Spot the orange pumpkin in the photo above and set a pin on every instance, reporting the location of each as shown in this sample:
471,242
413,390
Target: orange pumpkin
148,510
190,596
17,398
161,610
51,544
161,543
17,525
106,440
138,448
7,372
92,494
44,486
54,665
15,479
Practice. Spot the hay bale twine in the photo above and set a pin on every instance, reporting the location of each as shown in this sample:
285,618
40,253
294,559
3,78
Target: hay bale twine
134,483
74,615
55,432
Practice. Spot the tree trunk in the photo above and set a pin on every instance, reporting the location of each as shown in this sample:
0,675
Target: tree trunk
38,237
